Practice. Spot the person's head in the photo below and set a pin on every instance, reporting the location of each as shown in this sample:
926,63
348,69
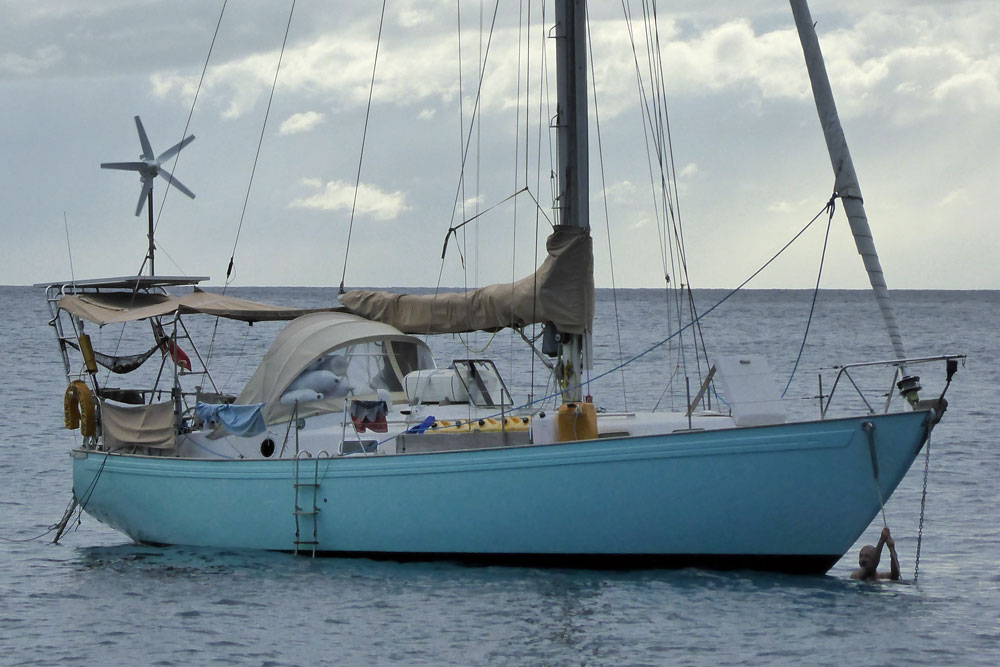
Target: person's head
868,558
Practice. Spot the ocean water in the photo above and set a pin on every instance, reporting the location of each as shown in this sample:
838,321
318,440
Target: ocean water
96,598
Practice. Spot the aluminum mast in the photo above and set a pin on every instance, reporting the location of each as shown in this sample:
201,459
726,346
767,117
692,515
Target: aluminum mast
573,170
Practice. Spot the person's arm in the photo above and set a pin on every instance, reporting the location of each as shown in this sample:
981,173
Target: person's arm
883,538
893,559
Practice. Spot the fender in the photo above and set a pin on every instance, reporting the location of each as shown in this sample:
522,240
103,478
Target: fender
80,408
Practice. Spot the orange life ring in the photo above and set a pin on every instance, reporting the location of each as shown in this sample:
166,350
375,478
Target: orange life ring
80,409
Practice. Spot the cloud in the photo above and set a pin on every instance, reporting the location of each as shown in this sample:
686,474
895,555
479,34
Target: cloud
916,63
690,169
19,65
957,196
301,122
974,90
621,192
38,12
339,196
413,13
334,67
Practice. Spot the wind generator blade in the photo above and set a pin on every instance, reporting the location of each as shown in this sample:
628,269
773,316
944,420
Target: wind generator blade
147,150
147,185
173,150
173,181
125,166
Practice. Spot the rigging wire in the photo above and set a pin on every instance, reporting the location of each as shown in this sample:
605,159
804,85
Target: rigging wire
559,390
650,125
718,303
480,66
364,135
187,125
812,308
607,217
517,148
69,250
253,171
656,109
461,142
696,331
475,113
538,187
260,142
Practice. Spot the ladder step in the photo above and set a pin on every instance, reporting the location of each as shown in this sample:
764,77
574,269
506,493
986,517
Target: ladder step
300,542
299,485
305,512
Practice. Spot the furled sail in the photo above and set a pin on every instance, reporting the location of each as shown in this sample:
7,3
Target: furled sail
561,291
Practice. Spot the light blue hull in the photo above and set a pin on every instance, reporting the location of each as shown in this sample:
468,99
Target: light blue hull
789,497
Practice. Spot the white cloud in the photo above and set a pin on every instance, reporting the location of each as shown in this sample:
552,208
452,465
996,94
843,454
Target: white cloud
621,192
20,65
301,122
916,63
688,170
334,67
413,13
958,196
975,90
339,196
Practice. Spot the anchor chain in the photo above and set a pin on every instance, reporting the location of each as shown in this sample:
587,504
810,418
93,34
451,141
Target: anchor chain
923,501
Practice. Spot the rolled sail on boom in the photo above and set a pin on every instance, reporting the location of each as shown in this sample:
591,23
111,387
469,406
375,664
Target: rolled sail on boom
561,291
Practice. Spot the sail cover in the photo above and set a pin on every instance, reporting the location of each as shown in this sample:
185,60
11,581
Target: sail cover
561,291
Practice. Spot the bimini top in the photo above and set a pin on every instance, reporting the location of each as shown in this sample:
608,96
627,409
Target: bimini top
110,307
367,355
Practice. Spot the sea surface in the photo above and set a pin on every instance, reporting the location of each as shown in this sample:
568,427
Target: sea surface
95,598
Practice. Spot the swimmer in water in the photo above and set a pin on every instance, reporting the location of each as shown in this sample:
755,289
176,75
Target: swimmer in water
870,556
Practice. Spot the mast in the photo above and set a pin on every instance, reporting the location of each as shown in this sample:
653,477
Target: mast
573,201
846,181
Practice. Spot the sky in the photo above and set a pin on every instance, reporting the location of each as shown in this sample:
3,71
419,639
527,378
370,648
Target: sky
917,84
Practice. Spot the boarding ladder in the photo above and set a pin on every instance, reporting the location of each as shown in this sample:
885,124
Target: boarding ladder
306,515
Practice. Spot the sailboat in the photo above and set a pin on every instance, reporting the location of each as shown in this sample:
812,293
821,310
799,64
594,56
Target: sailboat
350,440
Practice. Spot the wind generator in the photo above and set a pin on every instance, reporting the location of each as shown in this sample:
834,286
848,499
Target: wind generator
149,168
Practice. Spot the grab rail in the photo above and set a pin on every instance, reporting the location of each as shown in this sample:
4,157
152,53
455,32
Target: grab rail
845,371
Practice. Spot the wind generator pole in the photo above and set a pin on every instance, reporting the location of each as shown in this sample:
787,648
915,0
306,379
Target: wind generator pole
573,170
149,207
846,182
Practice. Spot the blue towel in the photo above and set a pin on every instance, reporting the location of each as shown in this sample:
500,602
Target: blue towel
237,419
422,426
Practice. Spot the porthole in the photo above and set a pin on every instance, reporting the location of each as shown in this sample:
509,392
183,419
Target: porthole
267,448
